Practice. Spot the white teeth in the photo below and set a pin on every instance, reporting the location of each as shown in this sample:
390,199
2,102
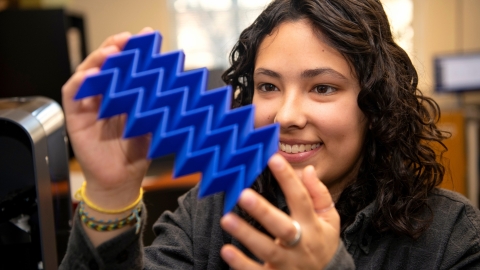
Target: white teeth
297,148
294,149
301,148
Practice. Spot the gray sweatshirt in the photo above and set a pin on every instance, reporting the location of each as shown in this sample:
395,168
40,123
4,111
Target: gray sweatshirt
191,238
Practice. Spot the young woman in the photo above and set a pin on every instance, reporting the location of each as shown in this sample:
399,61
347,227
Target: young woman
355,133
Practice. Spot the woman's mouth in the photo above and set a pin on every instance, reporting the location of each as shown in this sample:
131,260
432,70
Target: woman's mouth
297,148
299,153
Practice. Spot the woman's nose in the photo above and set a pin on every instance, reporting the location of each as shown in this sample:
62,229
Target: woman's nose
291,114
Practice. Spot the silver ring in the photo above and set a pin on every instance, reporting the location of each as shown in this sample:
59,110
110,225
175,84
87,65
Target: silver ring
298,235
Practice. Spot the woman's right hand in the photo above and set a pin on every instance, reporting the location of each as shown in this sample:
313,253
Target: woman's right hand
113,167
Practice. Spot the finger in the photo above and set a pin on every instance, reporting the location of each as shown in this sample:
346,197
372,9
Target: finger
119,40
276,222
97,58
256,242
296,195
146,30
112,44
70,88
236,259
321,198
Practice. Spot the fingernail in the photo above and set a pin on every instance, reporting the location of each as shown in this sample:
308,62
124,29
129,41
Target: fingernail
276,162
310,169
230,222
109,49
248,199
122,35
227,254
91,71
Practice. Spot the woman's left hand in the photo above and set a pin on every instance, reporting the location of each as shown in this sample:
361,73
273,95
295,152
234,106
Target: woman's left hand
310,206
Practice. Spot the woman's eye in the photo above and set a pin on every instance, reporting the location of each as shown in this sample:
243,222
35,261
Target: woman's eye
268,87
324,89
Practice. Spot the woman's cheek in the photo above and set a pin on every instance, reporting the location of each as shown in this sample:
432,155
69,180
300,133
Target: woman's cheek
264,114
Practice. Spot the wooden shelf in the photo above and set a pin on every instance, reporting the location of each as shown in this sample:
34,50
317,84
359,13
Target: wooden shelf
163,180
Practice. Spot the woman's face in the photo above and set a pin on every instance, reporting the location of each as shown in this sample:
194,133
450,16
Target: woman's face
308,87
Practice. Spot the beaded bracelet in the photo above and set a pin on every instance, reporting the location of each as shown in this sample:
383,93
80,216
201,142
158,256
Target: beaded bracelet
80,195
102,226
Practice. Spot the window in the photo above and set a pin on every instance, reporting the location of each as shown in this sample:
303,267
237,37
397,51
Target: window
400,15
208,29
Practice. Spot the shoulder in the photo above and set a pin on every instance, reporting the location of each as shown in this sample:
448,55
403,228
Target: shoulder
454,231
452,209
439,193
447,201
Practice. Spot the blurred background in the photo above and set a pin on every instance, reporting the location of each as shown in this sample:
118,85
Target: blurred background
42,41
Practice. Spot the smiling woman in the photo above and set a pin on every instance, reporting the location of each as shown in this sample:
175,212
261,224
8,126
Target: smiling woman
312,93
385,172
354,182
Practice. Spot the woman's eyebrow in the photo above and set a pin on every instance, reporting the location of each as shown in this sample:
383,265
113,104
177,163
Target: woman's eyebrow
310,73
267,72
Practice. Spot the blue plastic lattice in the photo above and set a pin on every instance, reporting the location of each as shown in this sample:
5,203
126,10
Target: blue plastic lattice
197,125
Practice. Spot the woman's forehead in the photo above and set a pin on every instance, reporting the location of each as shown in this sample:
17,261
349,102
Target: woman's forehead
299,43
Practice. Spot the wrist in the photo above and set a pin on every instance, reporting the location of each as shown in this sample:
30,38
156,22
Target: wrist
101,227
109,201
103,223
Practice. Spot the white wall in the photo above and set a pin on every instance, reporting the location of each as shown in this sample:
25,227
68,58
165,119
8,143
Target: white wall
444,26
108,17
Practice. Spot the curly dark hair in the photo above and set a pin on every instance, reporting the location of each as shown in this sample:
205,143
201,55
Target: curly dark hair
400,167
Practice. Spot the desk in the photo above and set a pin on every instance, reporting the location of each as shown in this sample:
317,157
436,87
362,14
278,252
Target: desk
161,181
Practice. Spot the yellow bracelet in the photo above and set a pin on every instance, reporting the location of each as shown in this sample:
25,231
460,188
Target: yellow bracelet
80,195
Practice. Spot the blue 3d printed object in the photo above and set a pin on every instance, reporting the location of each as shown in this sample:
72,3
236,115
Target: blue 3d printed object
197,125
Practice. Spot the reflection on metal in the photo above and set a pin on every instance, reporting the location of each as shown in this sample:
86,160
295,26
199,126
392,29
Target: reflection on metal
34,156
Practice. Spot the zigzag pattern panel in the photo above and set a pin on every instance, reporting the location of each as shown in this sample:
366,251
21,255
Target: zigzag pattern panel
183,117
